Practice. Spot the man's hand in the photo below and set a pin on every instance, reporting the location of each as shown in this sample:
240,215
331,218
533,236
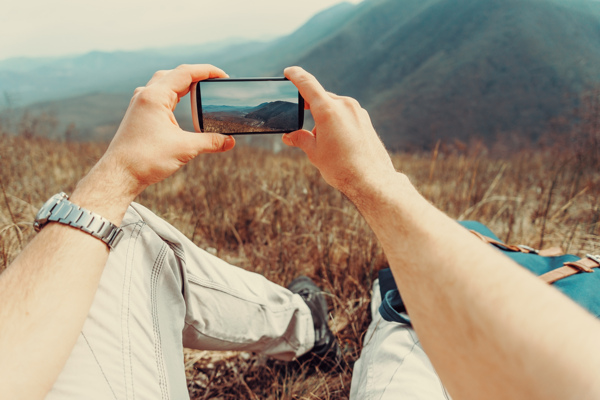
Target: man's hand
491,329
149,145
343,145
46,293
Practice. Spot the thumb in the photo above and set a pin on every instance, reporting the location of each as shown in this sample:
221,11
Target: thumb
207,142
303,139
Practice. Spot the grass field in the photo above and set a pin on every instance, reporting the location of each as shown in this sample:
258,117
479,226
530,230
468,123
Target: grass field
273,214
233,125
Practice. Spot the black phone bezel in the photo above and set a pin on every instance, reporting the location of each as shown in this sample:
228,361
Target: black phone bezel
223,80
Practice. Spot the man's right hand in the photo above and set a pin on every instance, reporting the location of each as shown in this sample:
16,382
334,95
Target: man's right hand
343,145
46,293
491,329
149,145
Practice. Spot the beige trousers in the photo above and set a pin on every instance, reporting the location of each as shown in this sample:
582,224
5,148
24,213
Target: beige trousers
158,293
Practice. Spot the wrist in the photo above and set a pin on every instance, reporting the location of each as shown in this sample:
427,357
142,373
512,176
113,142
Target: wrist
106,191
377,191
394,210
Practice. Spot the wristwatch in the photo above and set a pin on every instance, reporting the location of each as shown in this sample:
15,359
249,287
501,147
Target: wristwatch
59,209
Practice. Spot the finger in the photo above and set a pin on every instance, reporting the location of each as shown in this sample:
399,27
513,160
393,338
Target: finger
157,75
179,79
208,142
307,85
136,92
303,139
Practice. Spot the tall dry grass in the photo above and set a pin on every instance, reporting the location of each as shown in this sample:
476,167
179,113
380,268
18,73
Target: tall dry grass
273,214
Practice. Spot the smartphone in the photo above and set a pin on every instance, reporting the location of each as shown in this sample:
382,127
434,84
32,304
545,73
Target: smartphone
243,106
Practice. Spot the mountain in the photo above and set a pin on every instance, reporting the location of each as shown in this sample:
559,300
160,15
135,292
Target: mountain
270,116
276,114
424,69
429,70
223,108
286,51
31,80
461,69
94,116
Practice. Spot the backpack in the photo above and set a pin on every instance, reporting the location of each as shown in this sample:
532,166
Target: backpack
570,274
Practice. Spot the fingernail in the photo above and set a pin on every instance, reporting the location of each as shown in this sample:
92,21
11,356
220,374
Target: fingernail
229,143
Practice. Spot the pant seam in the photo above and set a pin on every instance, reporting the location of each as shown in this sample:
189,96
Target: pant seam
156,270
415,339
126,338
397,368
99,365
224,289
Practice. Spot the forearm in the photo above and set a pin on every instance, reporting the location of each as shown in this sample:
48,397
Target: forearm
490,327
45,295
48,290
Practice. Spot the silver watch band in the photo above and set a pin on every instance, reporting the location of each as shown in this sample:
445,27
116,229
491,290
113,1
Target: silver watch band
71,214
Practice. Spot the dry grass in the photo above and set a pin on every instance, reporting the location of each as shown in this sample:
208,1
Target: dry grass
234,125
272,213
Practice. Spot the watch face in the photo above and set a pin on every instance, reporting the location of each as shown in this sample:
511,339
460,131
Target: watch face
42,216
46,207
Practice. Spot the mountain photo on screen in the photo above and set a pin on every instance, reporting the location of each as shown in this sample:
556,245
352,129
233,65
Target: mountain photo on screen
249,106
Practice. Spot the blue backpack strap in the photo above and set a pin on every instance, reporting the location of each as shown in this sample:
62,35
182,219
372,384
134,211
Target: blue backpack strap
586,264
583,288
479,228
392,307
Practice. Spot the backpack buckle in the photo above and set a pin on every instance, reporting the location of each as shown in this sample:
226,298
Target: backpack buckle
528,249
594,257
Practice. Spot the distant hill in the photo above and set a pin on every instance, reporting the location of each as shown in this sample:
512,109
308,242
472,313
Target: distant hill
215,108
92,116
429,69
270,116
276,114
283,52
424,69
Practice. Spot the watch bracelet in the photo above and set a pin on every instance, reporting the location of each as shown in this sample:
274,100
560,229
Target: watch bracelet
65,212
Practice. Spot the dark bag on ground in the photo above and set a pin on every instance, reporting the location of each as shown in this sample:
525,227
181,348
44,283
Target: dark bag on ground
578,278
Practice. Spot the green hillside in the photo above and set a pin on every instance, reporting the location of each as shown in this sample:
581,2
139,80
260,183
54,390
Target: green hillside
459,69
425,69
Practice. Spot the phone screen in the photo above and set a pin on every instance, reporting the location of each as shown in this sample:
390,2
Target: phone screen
247,106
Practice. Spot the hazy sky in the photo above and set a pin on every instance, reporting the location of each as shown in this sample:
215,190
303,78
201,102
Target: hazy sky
59,27
247,93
